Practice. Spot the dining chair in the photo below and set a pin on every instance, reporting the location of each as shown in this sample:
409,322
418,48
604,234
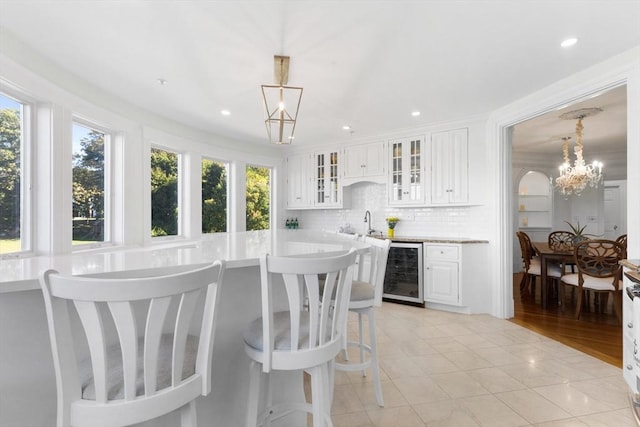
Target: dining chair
306,336
622,239
562,241
532,267
366,294
599,271
148,354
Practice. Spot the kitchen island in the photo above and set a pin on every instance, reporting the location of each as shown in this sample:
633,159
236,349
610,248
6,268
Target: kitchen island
27,382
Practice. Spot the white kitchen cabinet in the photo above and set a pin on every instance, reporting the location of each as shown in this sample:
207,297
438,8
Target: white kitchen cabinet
327,188
628,346
449,167
455,277
630,335
299,182
406,185
442,271
364,162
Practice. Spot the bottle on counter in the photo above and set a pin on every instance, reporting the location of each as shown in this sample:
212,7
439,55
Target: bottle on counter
295,223
287,223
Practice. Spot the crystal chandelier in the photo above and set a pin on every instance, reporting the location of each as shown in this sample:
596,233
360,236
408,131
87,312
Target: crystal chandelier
574,179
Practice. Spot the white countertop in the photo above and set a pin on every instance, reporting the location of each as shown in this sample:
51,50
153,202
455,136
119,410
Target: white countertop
238,249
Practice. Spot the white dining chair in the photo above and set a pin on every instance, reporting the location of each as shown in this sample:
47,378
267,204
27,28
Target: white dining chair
366,294
148,355
306,336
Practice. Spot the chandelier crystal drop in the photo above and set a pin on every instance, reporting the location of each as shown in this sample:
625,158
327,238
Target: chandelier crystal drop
574,179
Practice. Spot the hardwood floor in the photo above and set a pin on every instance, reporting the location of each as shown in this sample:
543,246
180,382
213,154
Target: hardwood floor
596,334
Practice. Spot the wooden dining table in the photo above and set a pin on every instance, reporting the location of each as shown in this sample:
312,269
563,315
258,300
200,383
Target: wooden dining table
546,253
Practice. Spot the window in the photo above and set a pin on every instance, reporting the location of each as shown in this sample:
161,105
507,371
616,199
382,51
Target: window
164,193
88,184
11,176
258,197
214,196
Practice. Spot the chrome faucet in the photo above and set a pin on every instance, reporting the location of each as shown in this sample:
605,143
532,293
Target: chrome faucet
367,219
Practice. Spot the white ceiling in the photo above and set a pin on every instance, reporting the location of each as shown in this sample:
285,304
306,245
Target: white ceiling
367,64
603,133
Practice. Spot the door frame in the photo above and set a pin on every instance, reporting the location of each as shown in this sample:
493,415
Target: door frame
620,70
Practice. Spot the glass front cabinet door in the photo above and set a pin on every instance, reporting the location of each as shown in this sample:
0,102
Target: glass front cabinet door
406,171
328,190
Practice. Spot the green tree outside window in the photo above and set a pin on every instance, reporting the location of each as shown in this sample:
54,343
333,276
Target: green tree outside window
258,197
10,146
164,193
214,196
88,186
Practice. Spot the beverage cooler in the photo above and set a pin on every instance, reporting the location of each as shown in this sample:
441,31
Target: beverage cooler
403,280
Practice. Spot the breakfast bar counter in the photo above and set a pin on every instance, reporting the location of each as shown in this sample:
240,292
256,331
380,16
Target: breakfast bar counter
26,366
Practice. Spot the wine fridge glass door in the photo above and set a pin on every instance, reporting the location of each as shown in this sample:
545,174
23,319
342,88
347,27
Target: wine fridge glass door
404,275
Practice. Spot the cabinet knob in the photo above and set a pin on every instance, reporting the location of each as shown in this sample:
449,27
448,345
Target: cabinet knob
630,325
629,367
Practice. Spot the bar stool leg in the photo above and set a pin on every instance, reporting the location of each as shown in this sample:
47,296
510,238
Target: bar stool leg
374,356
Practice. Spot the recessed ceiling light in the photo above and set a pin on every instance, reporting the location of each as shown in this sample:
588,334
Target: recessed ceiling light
225,112
415,113
346,127
569,42
162,81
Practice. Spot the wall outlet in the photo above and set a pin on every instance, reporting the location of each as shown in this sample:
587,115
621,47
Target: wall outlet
407,216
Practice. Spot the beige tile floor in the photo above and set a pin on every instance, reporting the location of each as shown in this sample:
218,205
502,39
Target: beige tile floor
445,369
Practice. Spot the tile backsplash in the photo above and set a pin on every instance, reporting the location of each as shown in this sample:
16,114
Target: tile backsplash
468,221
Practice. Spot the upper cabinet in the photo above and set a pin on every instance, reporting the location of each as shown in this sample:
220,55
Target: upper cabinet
313,180
406,185
327,186
299,182
449,167
418,171
364,163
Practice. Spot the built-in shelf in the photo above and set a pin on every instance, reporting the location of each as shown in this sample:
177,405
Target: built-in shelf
534,201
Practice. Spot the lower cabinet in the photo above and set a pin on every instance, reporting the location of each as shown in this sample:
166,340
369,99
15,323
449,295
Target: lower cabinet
442,273
455,276
629,332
